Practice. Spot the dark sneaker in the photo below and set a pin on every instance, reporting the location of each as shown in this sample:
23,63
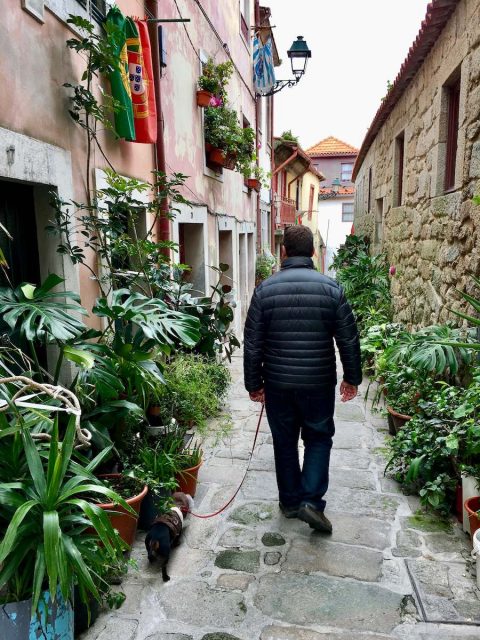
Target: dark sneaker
288,512
315,518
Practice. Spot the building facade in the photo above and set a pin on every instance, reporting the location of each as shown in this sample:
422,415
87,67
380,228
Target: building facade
43,149
335,159
295,185
419,167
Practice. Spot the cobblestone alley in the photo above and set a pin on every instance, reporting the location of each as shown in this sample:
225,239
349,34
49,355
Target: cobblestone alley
251,574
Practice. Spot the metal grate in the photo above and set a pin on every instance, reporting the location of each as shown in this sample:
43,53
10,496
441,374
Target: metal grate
98,9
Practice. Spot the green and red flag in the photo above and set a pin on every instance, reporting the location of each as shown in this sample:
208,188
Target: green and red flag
119,82
140,70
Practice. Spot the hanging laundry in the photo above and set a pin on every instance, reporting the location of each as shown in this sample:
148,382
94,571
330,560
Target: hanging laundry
120,86
263,69
140,73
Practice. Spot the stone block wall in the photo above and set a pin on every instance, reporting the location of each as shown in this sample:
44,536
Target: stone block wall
433,238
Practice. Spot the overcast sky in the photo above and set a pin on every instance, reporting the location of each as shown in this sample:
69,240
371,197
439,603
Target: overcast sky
357,46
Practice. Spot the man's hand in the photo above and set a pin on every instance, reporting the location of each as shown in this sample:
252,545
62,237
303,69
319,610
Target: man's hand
258,396
347,391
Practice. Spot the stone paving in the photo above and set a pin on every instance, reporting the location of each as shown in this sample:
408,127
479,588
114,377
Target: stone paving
250,574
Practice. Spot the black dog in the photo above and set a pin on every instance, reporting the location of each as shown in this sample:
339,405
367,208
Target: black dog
165,532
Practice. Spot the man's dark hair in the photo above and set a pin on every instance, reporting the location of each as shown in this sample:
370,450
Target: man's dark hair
298,241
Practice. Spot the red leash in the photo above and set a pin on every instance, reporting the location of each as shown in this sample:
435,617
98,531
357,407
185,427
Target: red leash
211,515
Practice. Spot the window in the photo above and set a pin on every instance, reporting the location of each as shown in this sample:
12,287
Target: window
346,175
398,162
245,19
98,8
369,201
347,211
378,239
453,98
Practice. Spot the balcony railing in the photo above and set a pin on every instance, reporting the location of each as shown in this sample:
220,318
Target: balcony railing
286,211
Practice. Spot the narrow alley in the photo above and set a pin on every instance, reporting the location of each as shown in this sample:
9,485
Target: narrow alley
249,573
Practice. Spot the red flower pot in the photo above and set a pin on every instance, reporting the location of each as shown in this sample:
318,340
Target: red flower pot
187,479
253,183
399,419
472,506
124,522
203,97
216,156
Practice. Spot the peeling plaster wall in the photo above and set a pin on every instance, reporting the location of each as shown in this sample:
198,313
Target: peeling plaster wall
37,63
433,238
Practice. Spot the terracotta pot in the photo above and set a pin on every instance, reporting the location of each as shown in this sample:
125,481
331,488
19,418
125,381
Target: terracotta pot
124,522
216,156
203,98
187,479
230,162
399,419
253,183
472,505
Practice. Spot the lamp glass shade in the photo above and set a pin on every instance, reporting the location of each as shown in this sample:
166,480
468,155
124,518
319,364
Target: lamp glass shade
299,54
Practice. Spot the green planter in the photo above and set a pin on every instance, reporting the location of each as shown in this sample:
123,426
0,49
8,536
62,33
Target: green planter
52,621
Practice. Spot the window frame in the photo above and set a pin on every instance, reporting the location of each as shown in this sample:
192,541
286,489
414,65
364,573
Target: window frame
399,170
453,121
347,164
352,212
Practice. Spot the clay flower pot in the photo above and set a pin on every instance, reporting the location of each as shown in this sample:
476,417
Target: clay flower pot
253,183
124,522
399,419
472,506
187,479
216,156
203,98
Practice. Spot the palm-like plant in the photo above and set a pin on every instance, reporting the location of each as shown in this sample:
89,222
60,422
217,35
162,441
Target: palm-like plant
46,518
435,349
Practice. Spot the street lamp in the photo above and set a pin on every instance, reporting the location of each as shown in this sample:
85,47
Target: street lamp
298,54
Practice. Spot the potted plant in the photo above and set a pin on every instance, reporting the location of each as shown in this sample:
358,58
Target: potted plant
49,531
212,82
189,462
124,518
263,267
155,466
472,507
232,146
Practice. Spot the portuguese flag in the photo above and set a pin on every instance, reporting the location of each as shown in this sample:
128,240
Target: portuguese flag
120,86
140,73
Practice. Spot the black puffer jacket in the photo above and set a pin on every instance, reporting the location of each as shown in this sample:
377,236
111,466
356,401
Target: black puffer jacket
292,321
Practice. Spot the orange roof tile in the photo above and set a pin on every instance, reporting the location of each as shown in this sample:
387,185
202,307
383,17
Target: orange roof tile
342,191
332,146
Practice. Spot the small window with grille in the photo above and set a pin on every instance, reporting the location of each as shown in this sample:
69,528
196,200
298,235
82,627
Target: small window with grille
97,9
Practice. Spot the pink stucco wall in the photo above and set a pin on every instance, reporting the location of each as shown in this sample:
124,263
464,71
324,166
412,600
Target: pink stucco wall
183,119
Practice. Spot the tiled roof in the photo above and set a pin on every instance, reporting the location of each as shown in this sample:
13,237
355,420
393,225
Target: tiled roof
294,148
437,16
332,146
342,191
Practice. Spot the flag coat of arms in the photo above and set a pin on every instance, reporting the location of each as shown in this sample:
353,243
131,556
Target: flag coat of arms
120,86
140,75
263,69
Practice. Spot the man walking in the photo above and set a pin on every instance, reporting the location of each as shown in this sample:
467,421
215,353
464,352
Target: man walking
289,363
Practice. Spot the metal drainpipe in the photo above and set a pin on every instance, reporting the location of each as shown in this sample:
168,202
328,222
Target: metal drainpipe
163,223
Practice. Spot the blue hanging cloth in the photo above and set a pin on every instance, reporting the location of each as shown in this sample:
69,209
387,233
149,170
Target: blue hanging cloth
263,69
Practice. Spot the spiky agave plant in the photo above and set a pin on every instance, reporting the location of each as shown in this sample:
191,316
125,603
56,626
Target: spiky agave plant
52,523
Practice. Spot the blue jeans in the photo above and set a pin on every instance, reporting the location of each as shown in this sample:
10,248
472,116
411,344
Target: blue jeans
295,412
